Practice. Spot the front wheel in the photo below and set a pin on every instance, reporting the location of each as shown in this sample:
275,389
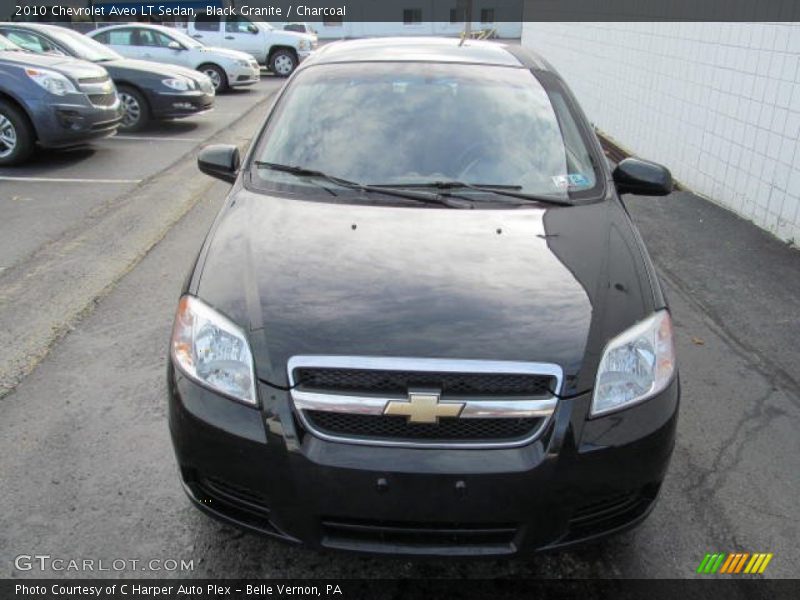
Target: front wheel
282,63
16,135
134,109
217,76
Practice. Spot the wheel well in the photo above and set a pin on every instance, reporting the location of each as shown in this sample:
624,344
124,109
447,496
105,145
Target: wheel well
11,100
210,64
127,84
274,49
216,66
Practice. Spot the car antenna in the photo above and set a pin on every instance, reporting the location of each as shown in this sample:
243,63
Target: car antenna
465,8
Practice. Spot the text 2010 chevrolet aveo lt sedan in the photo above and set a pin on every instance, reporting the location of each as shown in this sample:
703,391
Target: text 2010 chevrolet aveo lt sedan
423,321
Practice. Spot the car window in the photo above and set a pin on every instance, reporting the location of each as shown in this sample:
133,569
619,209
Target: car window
206,22
294,27
31,41
117,37
238,25
7,45
150,38
400,123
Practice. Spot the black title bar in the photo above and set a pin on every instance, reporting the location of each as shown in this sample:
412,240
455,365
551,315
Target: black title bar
404,11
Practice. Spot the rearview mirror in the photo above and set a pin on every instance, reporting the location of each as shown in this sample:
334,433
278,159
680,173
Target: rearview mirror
642,177
220,161
174,46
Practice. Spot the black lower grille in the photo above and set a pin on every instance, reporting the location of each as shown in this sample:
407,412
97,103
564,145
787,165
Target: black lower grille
398,382
102,99
398,428
455,538
610,512
224,492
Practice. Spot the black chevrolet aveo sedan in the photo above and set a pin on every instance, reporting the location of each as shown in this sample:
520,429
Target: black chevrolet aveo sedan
423,322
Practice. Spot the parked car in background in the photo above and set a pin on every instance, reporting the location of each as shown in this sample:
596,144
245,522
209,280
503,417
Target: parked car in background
52,101
302,28
148,90
280,51
225,68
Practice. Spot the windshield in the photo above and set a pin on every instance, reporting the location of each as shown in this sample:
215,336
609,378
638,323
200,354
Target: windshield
6,44
184,39
85,47
420,123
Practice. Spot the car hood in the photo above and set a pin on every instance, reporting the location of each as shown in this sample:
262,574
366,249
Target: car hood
228,53
146,67
72,67
526,284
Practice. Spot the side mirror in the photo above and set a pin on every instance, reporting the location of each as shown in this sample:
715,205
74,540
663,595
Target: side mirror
220,161
642,177
173,45
252,28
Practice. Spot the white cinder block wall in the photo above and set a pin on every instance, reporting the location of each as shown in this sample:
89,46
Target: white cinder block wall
718,103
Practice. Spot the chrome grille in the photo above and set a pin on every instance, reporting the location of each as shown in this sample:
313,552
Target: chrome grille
502,403
100,79
100,90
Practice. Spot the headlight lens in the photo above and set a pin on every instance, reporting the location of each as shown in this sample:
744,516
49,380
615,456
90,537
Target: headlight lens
243,63
53,82
636,365
213,350
180,85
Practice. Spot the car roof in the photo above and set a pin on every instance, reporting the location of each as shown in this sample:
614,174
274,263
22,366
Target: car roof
426,49
38,27
132,25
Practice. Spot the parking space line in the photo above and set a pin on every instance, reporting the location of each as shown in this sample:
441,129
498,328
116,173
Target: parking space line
65,180
156,138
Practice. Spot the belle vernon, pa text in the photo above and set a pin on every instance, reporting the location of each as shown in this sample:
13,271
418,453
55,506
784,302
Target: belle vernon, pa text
135,589
159,10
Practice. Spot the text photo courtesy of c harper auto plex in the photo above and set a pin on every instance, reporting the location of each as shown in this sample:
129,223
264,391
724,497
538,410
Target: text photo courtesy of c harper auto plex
399,299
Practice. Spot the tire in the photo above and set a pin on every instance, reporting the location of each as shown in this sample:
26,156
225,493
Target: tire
283,62
216,75
135,110
17,138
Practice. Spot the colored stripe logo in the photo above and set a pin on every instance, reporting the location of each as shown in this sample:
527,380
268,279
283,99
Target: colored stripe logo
735,563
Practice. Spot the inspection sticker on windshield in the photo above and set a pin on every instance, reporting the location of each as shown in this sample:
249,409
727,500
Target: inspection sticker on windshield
571,181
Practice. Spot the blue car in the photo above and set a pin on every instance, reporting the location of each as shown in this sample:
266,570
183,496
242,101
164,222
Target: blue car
52,102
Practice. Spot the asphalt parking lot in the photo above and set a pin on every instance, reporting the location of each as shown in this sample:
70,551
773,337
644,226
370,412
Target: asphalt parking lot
87,465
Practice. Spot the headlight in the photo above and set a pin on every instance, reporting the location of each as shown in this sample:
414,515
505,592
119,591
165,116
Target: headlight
53,82
212,350
180,85
243,63
636,365
303,45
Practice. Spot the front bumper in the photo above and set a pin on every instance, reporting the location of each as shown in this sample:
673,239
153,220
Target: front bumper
165,105
579,481
241,75
74,121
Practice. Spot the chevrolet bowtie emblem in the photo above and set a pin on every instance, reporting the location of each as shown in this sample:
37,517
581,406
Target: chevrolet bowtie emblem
423,407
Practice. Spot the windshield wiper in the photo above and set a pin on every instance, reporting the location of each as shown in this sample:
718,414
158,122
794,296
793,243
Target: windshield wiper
500,190
354,185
